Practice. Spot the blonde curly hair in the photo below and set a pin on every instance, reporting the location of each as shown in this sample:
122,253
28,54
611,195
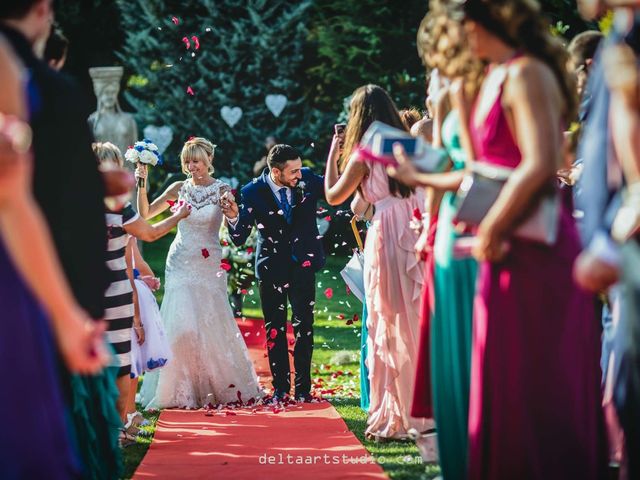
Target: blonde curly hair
442,45
198,148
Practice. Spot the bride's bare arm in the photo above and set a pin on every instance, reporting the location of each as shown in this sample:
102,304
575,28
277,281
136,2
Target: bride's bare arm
160,204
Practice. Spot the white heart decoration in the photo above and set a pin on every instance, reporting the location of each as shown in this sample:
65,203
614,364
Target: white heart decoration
276,103
161,136
231,115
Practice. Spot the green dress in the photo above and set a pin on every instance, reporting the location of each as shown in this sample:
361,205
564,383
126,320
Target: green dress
454,285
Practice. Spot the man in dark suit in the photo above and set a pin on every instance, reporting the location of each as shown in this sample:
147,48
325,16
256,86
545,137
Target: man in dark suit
282,203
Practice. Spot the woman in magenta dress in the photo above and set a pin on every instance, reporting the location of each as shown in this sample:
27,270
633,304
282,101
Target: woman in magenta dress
535,397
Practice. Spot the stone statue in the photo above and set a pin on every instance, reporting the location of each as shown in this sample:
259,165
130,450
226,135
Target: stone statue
109,123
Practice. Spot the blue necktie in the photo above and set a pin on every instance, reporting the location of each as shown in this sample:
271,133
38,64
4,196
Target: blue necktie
286,206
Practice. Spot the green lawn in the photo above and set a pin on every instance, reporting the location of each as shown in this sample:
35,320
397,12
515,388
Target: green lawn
335,365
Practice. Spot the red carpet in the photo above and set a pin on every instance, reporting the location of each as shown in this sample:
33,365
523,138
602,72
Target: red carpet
305,440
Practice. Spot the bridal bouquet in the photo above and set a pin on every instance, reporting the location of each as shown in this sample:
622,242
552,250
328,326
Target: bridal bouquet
143,152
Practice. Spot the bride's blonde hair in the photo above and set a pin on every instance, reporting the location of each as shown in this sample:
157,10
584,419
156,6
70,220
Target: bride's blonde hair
198,148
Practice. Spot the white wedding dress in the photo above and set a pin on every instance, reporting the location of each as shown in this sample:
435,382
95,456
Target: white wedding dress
210,359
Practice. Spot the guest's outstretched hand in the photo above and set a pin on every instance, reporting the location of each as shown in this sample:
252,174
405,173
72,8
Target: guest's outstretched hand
594,274
81,343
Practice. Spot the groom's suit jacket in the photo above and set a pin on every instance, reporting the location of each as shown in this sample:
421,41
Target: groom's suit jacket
280,244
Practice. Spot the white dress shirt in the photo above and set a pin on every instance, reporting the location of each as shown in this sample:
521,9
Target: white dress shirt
276,193
276,190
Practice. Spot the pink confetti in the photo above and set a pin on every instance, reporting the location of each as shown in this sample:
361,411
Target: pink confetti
175,20
196,42
306,264
328,293
417,214
186,42
205,253
225,265
328,218
273,333
190,91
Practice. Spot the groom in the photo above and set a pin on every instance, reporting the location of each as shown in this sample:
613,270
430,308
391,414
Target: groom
282,203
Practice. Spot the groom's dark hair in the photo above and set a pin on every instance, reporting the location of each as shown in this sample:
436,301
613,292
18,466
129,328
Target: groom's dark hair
280,154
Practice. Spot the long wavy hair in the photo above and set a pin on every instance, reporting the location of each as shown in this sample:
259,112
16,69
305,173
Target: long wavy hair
442,45
521,25
370,103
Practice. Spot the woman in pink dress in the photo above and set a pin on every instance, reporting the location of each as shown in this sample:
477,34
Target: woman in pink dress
393,275
535,394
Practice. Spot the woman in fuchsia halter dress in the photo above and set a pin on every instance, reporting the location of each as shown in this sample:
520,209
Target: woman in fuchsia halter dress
534,407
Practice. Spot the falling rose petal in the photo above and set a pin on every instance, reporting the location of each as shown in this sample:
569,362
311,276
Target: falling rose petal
175,20
355,317
417,214
225,265
328,293
205,253
196,42
186,42
243,291
348,290
292,342
190,91
328,218
273,333
306,264
340,316
171,202
249,249
231,385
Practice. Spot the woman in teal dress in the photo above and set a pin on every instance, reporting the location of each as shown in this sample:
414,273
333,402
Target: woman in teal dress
454,283
454,290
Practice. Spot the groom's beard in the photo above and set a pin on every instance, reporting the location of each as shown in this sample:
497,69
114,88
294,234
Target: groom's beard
291,183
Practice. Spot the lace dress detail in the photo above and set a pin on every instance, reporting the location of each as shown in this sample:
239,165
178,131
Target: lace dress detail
210,359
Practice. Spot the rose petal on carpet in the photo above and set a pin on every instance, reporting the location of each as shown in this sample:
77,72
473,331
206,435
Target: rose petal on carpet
306,439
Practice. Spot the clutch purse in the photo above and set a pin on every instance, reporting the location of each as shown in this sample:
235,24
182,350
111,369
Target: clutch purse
353,272
479,191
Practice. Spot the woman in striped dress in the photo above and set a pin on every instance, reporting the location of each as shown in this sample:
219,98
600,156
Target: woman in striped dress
119,301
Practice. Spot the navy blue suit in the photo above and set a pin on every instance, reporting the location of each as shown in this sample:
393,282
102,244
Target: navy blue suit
289,253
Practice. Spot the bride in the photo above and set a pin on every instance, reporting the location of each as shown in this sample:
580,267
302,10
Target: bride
210,359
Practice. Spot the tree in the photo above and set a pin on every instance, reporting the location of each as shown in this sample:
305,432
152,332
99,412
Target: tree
354,42
192,58
79,21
